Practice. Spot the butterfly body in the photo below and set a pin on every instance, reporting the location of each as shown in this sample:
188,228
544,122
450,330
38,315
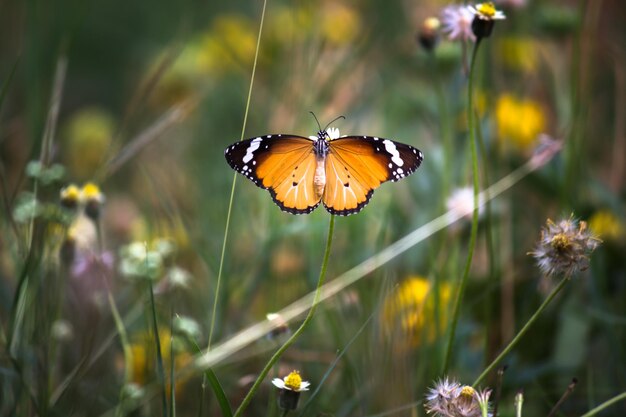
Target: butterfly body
342,173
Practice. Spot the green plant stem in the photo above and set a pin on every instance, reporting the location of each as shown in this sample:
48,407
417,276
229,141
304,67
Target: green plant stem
474,230
605,404
157,342
296,334
522,332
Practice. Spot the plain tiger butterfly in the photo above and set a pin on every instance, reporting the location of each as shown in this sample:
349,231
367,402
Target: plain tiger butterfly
342,172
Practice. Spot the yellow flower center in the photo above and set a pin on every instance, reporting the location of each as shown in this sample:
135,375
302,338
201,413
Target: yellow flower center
293,381
468,391
560,242
71,193
91,191
486,9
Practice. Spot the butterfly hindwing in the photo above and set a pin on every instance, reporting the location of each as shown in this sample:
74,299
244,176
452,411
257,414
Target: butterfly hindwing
282,164
357,165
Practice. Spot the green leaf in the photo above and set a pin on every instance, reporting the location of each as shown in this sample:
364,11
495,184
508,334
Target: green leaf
219,393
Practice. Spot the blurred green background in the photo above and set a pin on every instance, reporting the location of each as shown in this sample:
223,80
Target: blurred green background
153,92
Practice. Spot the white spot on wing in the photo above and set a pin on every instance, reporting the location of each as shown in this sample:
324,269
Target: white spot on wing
390,147
254,145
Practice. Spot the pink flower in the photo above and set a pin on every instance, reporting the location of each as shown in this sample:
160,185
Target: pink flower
457,23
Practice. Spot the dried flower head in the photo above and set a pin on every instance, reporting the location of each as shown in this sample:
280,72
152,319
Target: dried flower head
564,247
448,398
457,23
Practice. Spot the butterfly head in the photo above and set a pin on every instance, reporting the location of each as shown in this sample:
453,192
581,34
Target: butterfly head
328,134
323,135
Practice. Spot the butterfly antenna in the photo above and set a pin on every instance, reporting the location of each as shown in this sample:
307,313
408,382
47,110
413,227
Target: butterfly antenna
334,120
317,121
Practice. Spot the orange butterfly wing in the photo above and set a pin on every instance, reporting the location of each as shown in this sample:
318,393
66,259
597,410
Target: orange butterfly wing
357,165
283,164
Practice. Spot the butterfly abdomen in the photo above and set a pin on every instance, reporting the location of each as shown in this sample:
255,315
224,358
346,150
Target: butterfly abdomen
319,180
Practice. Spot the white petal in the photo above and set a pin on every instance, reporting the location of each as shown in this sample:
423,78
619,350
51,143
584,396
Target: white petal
279,383
304,386
333,133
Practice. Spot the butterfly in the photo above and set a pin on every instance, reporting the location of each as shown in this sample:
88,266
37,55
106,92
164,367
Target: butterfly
342,173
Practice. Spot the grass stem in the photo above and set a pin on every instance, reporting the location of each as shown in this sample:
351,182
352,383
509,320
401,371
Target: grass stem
474,230
522,332
605,404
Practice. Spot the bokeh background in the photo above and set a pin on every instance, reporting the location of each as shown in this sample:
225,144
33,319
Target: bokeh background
141,98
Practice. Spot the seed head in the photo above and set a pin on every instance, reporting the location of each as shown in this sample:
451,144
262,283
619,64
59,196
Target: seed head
564,247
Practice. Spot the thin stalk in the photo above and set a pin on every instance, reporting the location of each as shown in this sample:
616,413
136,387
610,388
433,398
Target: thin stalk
605,404
566,394
157,341
523,331
230,206
474,230
296,334
232,190
488,307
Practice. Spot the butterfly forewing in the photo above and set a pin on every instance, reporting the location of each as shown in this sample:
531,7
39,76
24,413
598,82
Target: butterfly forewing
283,164
357,165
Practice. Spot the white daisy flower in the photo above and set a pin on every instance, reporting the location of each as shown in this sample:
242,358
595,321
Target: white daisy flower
486,11
292,382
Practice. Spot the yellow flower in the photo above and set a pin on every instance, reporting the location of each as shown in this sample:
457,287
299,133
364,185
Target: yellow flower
518,53
88,136
340,24
70,196
606,225
93,199
287,25
410,310
91,192
519,121
229,45
142,358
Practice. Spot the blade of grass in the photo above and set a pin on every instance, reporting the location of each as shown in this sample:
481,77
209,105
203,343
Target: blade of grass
172,369
605,405
232,197
232,190
474,230
157,342
334,363
210,376
220,395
